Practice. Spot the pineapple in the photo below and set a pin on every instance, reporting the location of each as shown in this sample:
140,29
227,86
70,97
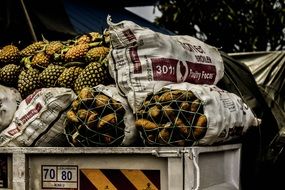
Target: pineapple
9,54
28,81
41,59
54,47
32,48
89,37
50,75
92,75
69,75
84,39
97,54
76,53
9,75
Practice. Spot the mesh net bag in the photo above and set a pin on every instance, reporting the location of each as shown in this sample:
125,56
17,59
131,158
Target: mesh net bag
95,119
171,118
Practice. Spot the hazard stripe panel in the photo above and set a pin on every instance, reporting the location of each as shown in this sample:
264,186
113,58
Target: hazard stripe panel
138,179
115,179
119,179
97,179
153,176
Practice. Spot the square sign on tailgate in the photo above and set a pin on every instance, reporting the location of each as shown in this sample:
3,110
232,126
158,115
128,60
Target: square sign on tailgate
59,177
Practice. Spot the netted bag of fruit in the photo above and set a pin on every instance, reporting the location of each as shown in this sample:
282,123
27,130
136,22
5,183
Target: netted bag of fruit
171,118
95,118
186,114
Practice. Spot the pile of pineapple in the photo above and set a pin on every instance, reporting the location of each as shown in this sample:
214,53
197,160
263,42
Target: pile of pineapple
76,63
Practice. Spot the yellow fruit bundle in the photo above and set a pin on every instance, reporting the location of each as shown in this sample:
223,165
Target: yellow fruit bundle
95,119
171,118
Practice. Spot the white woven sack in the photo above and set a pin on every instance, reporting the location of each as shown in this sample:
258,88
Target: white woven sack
39,119
10,99
143,61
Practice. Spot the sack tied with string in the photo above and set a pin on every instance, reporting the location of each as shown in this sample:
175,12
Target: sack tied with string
186,114
100,117
39,119
142,61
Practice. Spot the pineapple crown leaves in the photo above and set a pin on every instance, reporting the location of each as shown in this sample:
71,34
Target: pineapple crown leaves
29,67
26,62
60,55
95,44
40,66
42,49
46,45
57,56
66,48
69,42
46,42
43,38
105,61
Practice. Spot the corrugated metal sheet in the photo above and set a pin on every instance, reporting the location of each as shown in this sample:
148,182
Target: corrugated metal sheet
87,16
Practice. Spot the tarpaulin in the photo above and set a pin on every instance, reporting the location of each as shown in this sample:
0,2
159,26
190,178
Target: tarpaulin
238,79
268,69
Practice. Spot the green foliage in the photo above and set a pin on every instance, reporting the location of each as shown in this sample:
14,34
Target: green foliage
233,26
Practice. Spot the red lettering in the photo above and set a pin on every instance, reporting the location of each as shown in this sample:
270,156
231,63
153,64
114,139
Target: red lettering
32,96
129,35
135,60
14,131
31,113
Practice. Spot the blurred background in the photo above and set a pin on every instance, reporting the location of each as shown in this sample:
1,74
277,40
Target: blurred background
233,26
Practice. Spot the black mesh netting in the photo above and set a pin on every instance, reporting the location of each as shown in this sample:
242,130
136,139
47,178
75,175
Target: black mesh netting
95,119
171,118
